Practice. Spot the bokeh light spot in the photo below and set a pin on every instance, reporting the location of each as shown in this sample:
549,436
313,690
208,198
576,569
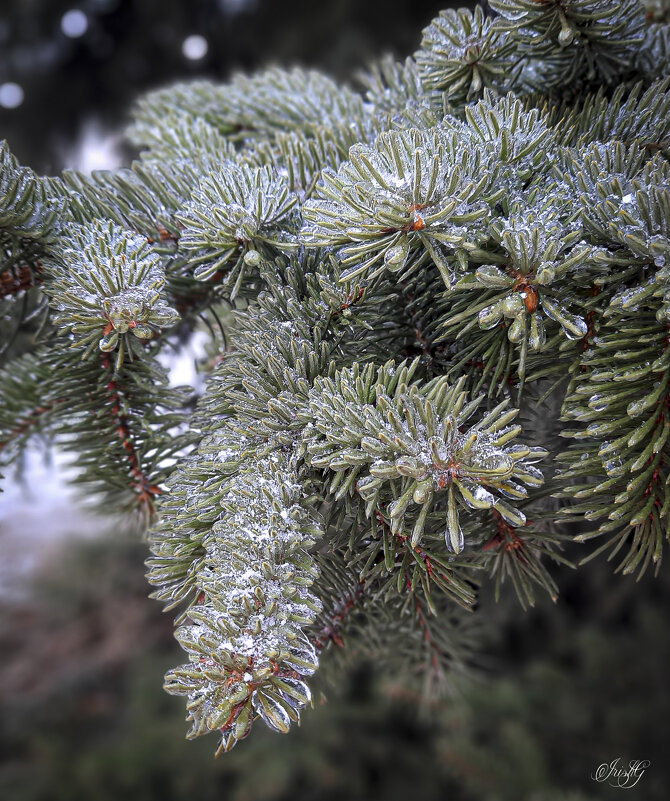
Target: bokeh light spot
11,95
195,47
74,23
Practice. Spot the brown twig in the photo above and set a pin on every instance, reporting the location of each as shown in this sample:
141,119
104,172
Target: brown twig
146,491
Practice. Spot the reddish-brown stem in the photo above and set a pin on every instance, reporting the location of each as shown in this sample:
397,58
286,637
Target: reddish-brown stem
506,537
29,420
351,299
20,279
146,491
403,540
331,630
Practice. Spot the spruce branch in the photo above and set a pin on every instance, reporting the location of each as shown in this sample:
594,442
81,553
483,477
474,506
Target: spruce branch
519,140
28,221
184,137
462,53
235,218
397,288
225,511
248,651
541,251
625,202
302,157
417,449
397,204
106,286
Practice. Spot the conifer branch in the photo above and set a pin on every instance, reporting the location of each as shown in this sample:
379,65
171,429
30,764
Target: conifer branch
399,288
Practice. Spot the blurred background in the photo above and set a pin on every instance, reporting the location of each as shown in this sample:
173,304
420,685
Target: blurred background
559,690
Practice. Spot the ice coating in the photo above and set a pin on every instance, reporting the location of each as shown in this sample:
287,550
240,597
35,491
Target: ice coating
233,211
415,193
245,639
427,444
109,284
462,51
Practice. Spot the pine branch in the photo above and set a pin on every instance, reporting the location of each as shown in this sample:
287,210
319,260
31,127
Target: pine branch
397,287
106,286
462,53
416,446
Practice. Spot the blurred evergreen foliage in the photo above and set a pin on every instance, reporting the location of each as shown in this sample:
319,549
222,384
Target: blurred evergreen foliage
133,45
563,689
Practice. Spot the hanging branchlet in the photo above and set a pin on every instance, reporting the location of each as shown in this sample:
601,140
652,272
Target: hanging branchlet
248,653
438,641
125,425
232,544
617,468
462,53
236,218
105,288
400,446
344,596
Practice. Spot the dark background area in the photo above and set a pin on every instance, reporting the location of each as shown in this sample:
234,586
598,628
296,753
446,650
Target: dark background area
133,45
560,689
